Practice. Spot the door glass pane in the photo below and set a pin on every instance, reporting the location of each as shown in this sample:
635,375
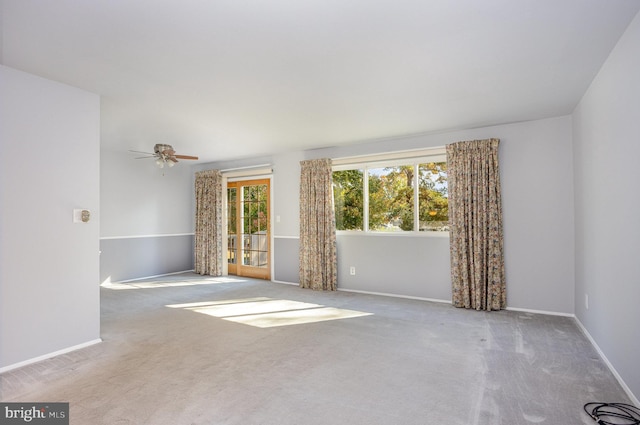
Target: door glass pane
255,260
255,225
246,252
232,249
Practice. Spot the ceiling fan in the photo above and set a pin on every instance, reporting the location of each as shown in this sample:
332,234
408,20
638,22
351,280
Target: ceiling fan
164,154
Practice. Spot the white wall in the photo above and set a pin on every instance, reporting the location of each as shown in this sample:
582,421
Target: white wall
607,149
286,181
537,184
49,293
536,177
537,199
139,198
147,217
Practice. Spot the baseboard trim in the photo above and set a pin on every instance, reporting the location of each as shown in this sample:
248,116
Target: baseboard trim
548,313
285,283
382,294
50,355
437,300
613,370
105,283
385,294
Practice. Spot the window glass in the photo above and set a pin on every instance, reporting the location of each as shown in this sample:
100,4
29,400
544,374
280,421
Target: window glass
232,249
433,197
391,198
348,199
391,203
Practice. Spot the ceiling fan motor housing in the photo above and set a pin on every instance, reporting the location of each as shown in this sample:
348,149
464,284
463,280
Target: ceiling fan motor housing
160,148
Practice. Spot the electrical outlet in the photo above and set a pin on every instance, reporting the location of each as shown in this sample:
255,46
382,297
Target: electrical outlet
586,301
352,271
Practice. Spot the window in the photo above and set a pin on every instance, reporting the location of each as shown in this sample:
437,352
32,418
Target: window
408,195
348,199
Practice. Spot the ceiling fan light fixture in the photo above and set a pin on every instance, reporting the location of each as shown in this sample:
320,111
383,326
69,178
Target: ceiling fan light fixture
164,154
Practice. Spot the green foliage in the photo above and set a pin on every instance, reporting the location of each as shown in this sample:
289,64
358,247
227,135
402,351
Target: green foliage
348,198
434,204
391,198
255,208
231,210
391,193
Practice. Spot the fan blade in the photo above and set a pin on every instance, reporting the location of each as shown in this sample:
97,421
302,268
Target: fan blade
186,157
146,153
172,158
145,157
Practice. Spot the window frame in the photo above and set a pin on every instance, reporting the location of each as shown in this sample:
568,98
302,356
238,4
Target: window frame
392,159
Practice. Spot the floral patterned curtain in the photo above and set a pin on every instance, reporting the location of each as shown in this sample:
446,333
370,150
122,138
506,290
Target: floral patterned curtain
475,219
318,261
208,239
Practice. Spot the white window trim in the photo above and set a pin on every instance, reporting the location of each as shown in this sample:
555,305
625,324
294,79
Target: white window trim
350,161
390,159
403,234
262,171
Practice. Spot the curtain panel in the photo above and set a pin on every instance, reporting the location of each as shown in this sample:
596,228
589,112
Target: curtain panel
475,220
208,237
318,260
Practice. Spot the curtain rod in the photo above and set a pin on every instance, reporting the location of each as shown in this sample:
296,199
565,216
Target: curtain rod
245,168
404,154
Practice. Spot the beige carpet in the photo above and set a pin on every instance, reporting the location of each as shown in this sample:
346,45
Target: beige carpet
191,350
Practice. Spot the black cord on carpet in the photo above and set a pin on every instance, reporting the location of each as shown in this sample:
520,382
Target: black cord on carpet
621,413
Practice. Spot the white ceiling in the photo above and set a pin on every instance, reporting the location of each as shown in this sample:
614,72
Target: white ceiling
225,79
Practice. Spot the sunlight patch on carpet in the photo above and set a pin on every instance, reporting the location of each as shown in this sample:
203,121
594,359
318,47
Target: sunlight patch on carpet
264,312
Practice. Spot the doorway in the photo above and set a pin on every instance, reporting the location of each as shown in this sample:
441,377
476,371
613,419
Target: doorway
248,228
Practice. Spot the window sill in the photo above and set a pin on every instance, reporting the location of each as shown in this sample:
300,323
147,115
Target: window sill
387,234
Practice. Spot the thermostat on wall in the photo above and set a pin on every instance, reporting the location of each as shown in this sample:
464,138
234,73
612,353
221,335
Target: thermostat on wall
81,216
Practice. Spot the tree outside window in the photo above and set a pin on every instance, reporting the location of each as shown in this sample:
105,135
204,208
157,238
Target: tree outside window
348,197
391,198
433,202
